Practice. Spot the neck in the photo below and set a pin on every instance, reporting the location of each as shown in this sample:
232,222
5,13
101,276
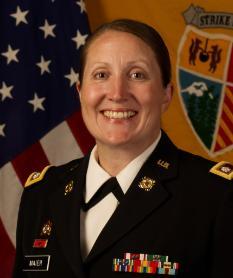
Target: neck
115,158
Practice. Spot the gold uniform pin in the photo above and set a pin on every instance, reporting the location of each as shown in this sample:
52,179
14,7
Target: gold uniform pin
46,229
147,183
69,187
163,163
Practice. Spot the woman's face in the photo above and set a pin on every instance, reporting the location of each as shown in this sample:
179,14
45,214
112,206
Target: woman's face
122,95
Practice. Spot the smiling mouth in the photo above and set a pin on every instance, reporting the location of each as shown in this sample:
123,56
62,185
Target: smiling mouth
119,114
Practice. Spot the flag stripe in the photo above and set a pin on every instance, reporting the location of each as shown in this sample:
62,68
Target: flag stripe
221,144
11,191
227,121
228,112
225,138
80,132
32,159
229,94
7,254
217,146
60,145
228,103
226,129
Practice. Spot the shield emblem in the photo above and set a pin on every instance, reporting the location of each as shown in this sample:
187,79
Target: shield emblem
205,87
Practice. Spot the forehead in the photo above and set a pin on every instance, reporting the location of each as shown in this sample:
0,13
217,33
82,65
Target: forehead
111,40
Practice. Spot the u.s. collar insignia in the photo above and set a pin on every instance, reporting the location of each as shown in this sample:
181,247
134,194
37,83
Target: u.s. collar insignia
46,229
163,163
223,169
146,183
69,187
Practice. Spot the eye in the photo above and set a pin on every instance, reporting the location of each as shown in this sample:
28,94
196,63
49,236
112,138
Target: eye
137,75
100,75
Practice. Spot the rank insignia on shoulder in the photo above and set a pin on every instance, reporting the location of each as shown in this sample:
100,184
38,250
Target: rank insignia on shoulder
223,169
36,176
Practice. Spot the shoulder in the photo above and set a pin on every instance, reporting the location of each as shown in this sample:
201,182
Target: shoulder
202,179
50,174
201,167
223,169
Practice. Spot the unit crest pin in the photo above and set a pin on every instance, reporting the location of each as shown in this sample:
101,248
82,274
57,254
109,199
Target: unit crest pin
147,183
47,228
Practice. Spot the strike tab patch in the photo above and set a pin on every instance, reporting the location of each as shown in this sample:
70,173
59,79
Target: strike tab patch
36,263
223,169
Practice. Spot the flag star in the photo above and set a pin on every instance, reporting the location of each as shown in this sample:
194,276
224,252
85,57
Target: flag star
37,102
43,65
20,16
81,5
10,54
6,91
73,77
2,133
48,29
79,39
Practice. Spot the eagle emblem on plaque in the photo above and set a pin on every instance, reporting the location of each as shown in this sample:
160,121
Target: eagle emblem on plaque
205,87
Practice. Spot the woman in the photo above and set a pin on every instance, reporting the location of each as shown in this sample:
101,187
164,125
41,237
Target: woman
167,212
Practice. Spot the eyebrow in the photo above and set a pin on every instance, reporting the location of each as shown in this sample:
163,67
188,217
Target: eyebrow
133,62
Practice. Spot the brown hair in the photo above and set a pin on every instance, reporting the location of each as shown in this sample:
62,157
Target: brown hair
145,32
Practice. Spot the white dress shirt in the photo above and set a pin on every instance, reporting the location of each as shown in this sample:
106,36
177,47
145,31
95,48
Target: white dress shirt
93,221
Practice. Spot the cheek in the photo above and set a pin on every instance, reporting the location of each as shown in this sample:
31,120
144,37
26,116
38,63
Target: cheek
151,99
89,98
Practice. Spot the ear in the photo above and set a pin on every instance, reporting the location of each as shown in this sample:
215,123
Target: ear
168,94
78,87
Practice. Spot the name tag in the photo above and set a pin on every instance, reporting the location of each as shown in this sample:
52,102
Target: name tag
36,263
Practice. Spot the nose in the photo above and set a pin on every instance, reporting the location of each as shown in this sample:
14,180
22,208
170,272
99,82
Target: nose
119,90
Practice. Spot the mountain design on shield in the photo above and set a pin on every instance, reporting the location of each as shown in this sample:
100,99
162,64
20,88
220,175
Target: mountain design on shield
205,83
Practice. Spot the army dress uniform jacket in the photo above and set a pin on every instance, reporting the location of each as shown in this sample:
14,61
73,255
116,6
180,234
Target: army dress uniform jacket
175,207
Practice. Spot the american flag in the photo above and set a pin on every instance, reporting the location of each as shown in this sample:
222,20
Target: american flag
40,120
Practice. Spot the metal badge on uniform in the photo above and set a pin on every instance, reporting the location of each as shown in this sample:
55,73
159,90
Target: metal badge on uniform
163,163
46,229
223,169
69,187
35,175
147,183
36,262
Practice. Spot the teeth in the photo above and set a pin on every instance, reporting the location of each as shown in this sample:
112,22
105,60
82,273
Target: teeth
119,115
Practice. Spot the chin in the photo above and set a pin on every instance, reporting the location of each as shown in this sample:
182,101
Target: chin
115,141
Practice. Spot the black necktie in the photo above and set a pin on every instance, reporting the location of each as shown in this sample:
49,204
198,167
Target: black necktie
111,185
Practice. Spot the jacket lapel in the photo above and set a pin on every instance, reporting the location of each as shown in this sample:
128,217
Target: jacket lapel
65,207
138,202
